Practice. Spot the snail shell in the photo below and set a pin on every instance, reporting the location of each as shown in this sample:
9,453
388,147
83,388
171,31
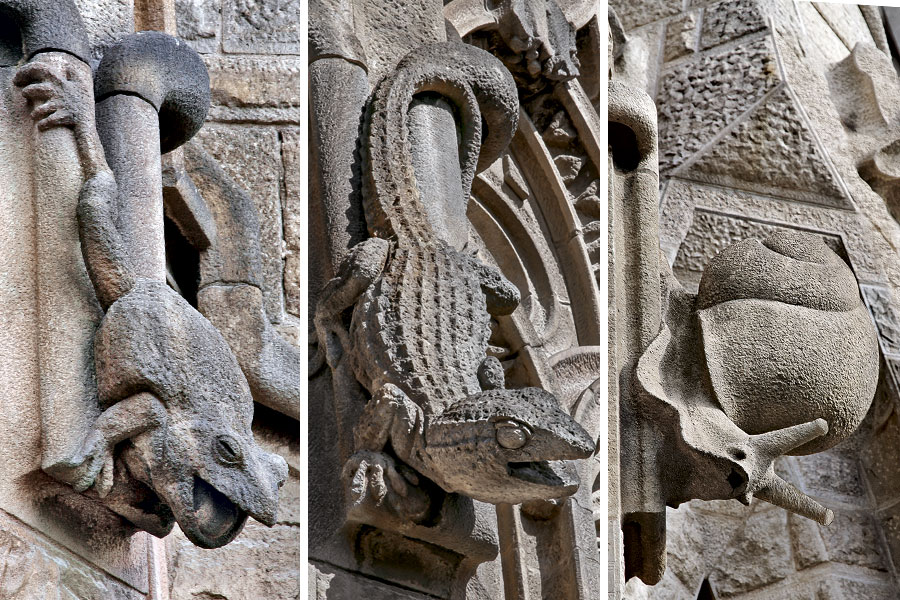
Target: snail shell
786,337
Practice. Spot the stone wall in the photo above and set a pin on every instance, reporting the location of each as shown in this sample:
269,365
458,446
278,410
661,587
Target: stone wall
766,109
252,50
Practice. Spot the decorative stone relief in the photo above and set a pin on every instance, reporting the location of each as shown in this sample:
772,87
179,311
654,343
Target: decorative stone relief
154,423
775,354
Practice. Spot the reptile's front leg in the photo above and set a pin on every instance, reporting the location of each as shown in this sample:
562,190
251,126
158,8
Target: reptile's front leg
361,267
501,295
390,417
123,420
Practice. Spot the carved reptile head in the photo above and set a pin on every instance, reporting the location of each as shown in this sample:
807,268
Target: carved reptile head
507,446
202,462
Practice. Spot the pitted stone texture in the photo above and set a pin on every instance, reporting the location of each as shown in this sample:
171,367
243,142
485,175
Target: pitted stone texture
831,475
252,157
878,300
880,459
255,88
263,26
889,520
698,99
774,150
760,555
640,12
696,540
840,588
294,189
729,20
711,232
199,22
327,582
681,36
841,230
806,541
260,563
107,21
31,569
852,539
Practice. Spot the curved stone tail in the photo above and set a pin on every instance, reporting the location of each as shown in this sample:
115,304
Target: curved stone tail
477,84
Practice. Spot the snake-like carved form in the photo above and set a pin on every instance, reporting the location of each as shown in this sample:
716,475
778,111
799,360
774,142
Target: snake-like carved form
419,331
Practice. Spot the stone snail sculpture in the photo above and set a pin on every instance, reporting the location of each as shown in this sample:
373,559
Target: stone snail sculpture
173,396
776,354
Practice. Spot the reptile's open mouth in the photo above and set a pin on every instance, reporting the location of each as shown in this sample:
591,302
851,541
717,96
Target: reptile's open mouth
217,520
558,474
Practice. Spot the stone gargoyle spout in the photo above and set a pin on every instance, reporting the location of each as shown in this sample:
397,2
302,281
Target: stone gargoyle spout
421,312
776,354
173,396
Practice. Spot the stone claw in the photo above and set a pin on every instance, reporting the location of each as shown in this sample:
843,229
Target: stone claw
378,476
92,464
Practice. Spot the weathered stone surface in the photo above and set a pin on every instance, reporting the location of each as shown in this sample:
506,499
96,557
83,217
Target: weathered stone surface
252,157
806,542
889,519
831,475
840,588
331,583
772,150
880,460
696,542
294,190
853,539
880,304
33,568
759,555
260,563
255,88
199,23
107,21
635,14
681,36
725,21
698,99
262,26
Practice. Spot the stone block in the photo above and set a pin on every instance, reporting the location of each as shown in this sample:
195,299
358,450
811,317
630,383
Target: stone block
263,26
830,475
291,150
729,20
681,36
327,582
806,541
699,98
633,14
255,88
252,157
880,459
840,588
852,539
260,563
889,518
106,22
695,541
199,23
758,556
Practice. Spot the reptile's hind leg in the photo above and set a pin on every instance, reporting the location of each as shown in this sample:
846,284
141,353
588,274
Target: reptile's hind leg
361,267
374,475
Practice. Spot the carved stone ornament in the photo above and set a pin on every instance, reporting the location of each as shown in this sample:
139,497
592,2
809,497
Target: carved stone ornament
775,354
144,408
448,249
420,324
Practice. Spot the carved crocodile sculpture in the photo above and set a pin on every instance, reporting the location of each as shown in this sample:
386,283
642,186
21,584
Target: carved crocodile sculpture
421,315
172,391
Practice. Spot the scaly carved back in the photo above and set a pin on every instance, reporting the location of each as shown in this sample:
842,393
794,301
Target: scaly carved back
478,85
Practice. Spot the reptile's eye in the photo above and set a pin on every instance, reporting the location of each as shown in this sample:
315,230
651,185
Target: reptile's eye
512,434
228,451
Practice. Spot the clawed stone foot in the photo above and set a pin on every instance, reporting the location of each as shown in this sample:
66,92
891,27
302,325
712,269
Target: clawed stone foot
92,466
376,478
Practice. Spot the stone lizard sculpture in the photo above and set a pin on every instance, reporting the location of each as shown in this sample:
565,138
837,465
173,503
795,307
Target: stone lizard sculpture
173,393
421,314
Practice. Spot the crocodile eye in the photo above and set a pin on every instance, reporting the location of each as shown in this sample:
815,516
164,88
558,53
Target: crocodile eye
227,450
512,434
